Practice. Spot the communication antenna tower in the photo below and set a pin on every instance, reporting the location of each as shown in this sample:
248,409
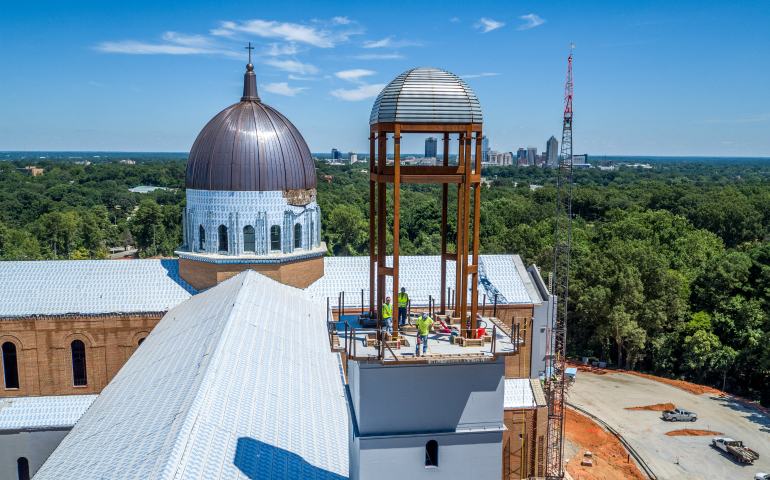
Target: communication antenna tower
560,289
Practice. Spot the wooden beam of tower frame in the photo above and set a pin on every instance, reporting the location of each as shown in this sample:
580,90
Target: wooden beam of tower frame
467,177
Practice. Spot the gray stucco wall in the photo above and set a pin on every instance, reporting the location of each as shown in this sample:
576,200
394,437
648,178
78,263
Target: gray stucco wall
36,445
398,409
542,320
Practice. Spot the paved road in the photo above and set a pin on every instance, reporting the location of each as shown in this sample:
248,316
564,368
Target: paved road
607,396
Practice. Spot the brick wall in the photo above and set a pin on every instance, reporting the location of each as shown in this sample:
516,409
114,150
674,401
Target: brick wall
299,274
524,443
44,356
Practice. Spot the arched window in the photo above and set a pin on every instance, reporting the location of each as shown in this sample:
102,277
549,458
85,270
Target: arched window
140,341
248,238
222,238
79,376
10,366
22,466
431,454
297,235
275,238
202,238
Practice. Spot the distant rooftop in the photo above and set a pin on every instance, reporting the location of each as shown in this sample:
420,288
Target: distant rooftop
144,189
60,287
42,412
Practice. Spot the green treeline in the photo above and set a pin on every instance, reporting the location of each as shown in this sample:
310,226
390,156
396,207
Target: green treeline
79,212
670,266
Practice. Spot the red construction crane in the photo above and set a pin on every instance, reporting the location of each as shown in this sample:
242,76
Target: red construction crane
558,340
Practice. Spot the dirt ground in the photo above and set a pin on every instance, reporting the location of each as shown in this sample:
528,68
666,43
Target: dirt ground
675,457
686,432
610,459
658,407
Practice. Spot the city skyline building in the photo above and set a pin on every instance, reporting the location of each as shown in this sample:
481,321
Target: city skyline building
552,152
531,154
484,149
431,147
335,154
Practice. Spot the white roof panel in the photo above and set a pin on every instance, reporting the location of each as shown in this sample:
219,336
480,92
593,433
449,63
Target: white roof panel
237,382
42,412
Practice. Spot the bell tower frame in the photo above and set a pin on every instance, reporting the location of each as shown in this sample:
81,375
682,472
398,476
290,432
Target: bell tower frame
466,176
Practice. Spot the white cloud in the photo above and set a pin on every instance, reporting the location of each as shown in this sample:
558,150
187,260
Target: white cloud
389,42
361,93
292,66
341,20
188,40
290,32
282,88
487,25
281,49
141,48
374,56
296,77
479,75
532,21
454,20
354,75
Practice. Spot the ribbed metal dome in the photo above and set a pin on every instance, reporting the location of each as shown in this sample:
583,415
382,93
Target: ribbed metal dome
250,146
426,95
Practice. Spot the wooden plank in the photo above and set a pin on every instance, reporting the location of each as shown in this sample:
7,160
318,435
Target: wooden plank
396,217
472,269
451,256
372,215
385,178
444,210
385,271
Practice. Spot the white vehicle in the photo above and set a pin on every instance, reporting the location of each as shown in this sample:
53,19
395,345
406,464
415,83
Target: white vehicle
678,414
735,449
762,476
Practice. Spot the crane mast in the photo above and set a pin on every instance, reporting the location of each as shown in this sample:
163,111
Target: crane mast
560,289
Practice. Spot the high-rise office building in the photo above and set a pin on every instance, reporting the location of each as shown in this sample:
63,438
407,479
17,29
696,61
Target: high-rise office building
531,153
519,155
484,149
507,159
431,147
579,159
335,154
552,152
352,157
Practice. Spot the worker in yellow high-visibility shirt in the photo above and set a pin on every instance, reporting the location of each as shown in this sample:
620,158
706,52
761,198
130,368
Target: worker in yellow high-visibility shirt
403,302
387,315
423,328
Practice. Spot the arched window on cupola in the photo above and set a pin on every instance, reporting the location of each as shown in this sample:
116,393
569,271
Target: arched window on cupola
222,238
248,238
297,235
201,238
22,468
431,454
79,373
275,238
10,366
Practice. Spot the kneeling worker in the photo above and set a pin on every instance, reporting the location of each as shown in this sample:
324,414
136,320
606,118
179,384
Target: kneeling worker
403,301
423,328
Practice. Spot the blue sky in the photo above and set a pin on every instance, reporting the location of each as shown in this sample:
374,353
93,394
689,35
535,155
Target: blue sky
651,78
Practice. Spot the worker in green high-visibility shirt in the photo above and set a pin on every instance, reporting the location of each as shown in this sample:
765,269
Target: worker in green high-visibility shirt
387,315
403,301
423,328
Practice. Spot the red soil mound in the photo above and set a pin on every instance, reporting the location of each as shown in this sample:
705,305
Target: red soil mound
692,433
658,407
609,457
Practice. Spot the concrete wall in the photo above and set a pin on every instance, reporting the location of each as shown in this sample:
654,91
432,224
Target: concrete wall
44,357
398,409
460,456
542,320
36,446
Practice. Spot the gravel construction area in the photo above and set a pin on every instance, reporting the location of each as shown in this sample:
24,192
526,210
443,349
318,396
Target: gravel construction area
609,396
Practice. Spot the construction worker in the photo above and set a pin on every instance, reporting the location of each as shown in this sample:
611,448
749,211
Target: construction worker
423,328
403,301
387,315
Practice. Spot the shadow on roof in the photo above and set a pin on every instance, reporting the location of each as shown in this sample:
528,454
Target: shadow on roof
259,460
172,268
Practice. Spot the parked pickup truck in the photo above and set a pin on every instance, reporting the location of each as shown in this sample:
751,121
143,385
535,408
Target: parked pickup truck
762,476
678,414
735,449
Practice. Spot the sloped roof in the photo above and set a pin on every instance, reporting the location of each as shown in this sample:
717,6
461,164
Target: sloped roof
90,286
42,412
421,276
237,382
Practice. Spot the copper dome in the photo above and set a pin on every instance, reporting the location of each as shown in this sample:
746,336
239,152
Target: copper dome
250,146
